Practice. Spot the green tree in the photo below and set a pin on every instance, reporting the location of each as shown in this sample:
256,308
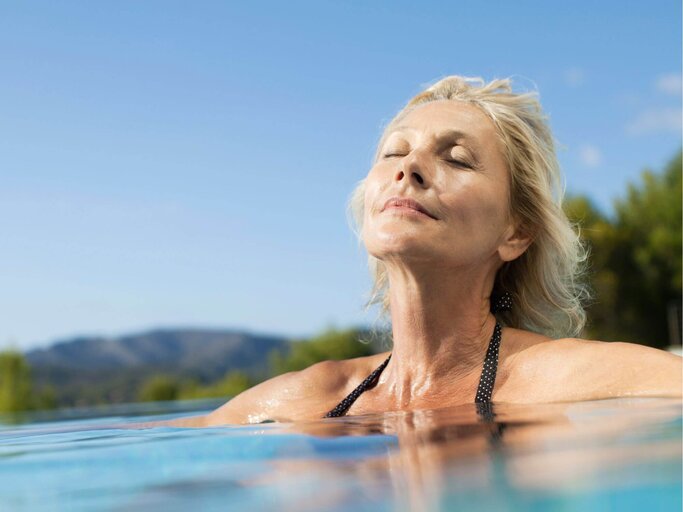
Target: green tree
598,232
45,398
232,384
635,265
159,387
15,382
330,344
647,254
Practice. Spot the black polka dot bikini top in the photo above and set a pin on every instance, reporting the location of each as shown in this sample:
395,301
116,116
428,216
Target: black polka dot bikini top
484,391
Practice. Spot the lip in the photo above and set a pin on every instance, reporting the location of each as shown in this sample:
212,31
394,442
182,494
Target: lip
406,202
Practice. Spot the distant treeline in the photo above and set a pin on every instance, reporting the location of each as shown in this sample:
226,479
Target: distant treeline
19,390
331,344
635,274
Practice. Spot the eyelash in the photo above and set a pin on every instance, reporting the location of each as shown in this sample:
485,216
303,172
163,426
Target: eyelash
457,162
454,162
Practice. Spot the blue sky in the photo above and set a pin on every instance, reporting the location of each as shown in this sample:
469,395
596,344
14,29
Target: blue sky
167,163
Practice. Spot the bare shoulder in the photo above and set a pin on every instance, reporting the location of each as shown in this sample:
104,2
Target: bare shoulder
292,396
639,370
576,369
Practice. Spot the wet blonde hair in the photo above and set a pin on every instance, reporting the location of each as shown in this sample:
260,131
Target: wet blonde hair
545,282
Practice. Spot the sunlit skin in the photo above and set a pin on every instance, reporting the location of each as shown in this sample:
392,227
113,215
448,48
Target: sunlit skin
441,269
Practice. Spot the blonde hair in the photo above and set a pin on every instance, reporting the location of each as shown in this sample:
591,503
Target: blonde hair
546,280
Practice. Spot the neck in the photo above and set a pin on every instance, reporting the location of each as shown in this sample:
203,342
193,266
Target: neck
441,331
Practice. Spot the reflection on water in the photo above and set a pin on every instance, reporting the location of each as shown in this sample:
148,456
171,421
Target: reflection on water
621,454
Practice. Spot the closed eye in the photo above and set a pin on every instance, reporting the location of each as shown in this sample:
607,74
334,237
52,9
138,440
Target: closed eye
457,162
392,155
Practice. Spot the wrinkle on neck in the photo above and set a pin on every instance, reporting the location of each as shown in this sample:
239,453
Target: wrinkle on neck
441,331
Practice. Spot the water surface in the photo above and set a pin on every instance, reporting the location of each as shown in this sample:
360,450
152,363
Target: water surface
619,454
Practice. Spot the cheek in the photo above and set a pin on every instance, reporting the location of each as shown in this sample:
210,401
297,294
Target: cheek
476,208
371,195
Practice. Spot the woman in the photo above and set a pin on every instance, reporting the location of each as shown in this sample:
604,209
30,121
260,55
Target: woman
479,269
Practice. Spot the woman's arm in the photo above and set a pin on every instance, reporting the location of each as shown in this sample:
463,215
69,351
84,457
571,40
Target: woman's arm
192,421
292,396
241,409
287,397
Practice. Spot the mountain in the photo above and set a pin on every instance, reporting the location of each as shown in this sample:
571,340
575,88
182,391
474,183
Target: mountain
83,370
211,352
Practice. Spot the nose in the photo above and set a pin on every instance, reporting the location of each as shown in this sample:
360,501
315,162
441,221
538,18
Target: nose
414,174
413,169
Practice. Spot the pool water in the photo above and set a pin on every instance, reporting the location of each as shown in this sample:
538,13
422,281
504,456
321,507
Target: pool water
619,454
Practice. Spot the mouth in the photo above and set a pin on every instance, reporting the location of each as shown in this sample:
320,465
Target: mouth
405,203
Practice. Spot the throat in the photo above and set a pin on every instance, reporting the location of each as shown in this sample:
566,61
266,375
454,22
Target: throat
407,380
398,384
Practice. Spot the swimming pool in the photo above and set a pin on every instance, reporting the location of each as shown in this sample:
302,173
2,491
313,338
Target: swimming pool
619,454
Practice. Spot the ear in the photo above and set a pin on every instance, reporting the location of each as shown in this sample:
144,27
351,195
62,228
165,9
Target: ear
516,240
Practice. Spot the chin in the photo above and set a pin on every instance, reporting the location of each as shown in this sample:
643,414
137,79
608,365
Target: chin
390,244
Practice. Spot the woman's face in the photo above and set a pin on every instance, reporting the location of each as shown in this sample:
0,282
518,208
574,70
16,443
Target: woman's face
446,155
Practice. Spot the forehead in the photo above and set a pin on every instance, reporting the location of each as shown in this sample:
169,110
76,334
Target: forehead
440,117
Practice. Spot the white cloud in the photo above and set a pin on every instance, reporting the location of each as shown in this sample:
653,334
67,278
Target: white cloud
669,83
590,156
574,77
666,119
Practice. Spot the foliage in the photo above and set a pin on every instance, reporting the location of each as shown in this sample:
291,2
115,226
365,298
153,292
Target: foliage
636,258
44,398
232,384
159,387
17,392
331,344
647,254
15,382
598,232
